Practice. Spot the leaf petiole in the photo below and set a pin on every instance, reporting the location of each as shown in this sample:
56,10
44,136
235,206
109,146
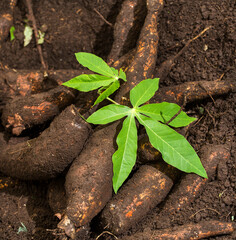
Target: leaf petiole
111,100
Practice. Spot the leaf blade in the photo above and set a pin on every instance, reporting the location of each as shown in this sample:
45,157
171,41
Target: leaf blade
109,113
143,91
111,89
175,149
88,82
94,63
164,112
125,157
122,75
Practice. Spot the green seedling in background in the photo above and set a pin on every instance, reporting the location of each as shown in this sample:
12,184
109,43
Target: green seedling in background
22,228
12,30
28,32
41,36
175,149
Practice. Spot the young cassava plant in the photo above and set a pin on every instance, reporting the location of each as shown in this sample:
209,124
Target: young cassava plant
157,119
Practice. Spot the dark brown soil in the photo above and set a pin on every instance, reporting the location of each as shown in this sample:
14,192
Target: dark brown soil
74,26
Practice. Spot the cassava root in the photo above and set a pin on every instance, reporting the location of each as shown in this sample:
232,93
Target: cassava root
49,154
89,180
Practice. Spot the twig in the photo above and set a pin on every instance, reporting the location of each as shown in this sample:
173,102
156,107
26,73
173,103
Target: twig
107,233
100,15
207,92
213,119
204,210
221,76
32,18
191,40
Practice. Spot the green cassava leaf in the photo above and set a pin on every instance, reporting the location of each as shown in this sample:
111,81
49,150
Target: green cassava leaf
124,158
111,89
28,32
175,149
143,91
115,71
122,75
94,63
109,114
85,82
164,112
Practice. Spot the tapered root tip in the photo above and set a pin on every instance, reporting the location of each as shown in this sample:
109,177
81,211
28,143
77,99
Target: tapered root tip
68,226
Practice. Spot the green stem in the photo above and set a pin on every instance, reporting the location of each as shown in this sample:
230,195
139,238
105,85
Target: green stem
112,101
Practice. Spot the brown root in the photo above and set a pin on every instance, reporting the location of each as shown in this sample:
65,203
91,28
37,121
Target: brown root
147,188
192,231
191,185
193,91
89,180
126,23
49,154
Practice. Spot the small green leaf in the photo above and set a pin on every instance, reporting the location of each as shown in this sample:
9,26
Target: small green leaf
122,75
12,30
109,114
175,149
143,91
94,63
28,32
164,112
40,37
125,157
111,89
85,82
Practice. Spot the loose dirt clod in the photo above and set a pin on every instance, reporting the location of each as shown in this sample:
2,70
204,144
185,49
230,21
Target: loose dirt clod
147,188
49,154
191,231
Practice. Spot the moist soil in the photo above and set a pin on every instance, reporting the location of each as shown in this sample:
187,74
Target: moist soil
73,26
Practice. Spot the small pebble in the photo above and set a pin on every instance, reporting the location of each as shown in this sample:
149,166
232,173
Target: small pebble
227,200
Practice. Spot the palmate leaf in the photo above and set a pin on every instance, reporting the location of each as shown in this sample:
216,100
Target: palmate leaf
111,89
175,149
125,157
94,63
164,111
109,114
142,92
86,83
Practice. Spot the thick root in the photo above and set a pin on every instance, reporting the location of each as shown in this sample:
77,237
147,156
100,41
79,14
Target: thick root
49,154
191,231
147,188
